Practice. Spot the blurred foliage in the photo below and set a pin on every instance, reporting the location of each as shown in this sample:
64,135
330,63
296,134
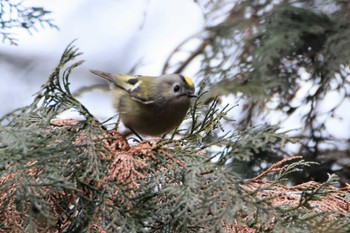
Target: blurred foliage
286,58
17,14
75,176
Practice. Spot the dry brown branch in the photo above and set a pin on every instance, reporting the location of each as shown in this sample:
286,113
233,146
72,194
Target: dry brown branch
334,203
276,167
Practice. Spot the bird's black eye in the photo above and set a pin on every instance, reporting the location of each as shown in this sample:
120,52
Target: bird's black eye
176,88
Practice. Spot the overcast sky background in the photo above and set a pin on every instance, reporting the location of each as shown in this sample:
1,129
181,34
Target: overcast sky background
114,35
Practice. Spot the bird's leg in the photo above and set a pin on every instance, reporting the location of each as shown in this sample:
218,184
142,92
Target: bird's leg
136,134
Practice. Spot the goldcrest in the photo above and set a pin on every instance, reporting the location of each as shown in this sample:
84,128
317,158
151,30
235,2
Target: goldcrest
150,105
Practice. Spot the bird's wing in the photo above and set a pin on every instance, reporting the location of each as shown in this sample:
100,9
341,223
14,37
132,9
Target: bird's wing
128,83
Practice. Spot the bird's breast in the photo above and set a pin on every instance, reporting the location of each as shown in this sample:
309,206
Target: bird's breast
154,120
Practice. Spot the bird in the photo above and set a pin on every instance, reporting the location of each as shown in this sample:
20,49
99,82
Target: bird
150,105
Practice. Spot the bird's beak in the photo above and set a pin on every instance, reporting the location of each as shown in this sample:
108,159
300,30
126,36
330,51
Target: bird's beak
192,95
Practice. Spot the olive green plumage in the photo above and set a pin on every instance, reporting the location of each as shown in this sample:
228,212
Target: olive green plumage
150,105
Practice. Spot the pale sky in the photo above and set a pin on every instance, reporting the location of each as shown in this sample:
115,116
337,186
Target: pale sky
114,35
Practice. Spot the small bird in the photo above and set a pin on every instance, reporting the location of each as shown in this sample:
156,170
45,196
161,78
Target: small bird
149,105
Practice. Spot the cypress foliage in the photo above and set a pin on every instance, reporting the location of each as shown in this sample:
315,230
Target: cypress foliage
77,176
285,58
16,14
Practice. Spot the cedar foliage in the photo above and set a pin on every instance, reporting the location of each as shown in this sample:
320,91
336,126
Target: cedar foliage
76,176
289,58
17,14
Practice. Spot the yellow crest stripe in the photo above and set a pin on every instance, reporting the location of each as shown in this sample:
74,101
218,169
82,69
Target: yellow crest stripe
188,80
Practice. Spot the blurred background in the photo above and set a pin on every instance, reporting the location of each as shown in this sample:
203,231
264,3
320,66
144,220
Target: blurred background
283,63
115,36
